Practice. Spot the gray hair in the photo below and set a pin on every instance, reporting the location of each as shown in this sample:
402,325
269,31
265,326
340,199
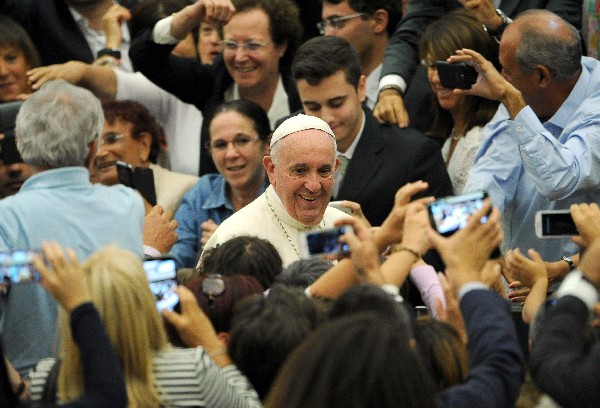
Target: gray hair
56,124
562,56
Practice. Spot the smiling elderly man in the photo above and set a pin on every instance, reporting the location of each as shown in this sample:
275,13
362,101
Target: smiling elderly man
300,168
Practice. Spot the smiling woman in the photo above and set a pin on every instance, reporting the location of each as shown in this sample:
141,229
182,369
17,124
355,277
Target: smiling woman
259,42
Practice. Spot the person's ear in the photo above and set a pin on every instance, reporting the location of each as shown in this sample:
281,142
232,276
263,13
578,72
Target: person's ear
270,167
93,149
544,76
280,49
224,337
380,19
145,140
361,88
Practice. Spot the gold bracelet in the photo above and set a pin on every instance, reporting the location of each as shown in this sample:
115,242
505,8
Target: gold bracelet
217,352
400,248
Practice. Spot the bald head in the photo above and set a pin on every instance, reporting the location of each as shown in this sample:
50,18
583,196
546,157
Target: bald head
538,37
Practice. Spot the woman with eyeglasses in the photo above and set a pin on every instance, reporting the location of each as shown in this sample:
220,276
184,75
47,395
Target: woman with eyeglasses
156,375
239,139
258,44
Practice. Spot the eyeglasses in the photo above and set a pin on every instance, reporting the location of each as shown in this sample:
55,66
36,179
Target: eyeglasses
250,46
213,286
110,138
337,22
239,142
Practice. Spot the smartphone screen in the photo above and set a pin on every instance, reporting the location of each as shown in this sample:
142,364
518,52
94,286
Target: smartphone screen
17,266
162,277
449,214
325,243
558,224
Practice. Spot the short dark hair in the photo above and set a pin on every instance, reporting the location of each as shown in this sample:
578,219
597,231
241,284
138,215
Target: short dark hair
13,34
322,57
147,13
246,255
303,272
141,119
393,8
284,24
253,111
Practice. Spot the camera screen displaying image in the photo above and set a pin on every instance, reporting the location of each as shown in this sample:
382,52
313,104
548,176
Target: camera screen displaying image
448,215
555,223
17,266
162,276
324,243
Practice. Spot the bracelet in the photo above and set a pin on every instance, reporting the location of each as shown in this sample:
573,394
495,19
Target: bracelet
217,352
570,262
400,248
394,87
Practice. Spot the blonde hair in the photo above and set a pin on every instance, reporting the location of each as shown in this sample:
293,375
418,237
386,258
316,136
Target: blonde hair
120,292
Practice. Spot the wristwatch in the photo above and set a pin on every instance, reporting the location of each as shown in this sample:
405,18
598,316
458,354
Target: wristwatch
569,261
505,22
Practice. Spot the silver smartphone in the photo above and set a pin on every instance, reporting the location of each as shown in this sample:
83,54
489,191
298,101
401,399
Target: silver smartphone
324,243
554,224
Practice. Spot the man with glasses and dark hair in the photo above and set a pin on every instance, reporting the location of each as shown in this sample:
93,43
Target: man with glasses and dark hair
368,26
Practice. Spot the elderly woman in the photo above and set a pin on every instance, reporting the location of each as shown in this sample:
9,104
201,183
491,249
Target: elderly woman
259,42
239,134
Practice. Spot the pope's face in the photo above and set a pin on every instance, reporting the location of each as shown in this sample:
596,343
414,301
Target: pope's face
302,175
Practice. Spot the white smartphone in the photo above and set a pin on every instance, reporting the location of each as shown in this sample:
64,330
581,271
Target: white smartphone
338,205
324,243
554,224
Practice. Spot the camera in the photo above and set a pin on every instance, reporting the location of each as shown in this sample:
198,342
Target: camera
554,224
162,277
449,214
139,178
17,266
458,75
324,243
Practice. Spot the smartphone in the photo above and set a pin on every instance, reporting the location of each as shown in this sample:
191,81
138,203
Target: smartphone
554,224
338,205
139,178
162,277
449,214
17,266
458,75
324,243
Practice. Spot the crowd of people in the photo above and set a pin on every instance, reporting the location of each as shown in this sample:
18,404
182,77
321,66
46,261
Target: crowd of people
215,136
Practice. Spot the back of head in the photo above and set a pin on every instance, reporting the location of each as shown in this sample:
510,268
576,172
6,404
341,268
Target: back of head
141,119
12,34
373,299
544,36
359,360
393,8
56,125
120,291
244,255
322,57
443,352
146,13
284,24
303,272
265,330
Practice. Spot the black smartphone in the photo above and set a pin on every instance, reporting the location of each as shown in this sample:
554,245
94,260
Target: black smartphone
554,224
162,277
17,266
458,75
449,214
139,178
324,243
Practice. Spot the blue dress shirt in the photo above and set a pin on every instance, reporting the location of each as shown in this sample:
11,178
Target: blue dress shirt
526,165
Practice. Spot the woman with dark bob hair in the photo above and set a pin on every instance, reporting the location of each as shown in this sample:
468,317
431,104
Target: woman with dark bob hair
258,44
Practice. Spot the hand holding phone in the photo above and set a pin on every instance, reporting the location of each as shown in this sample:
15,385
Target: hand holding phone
324,243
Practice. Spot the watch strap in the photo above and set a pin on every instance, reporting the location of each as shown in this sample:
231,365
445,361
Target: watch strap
505,22
110,52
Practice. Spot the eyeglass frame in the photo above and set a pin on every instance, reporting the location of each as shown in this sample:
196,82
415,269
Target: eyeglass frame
209,145
337,22
255,45
118,138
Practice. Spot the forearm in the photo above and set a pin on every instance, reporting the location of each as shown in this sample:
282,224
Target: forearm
335,281
535,298
102,81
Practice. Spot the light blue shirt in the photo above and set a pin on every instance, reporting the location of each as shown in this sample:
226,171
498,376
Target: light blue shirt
526,165
59,205
206,200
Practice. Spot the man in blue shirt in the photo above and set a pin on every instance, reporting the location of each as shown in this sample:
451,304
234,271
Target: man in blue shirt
58,129
540,151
